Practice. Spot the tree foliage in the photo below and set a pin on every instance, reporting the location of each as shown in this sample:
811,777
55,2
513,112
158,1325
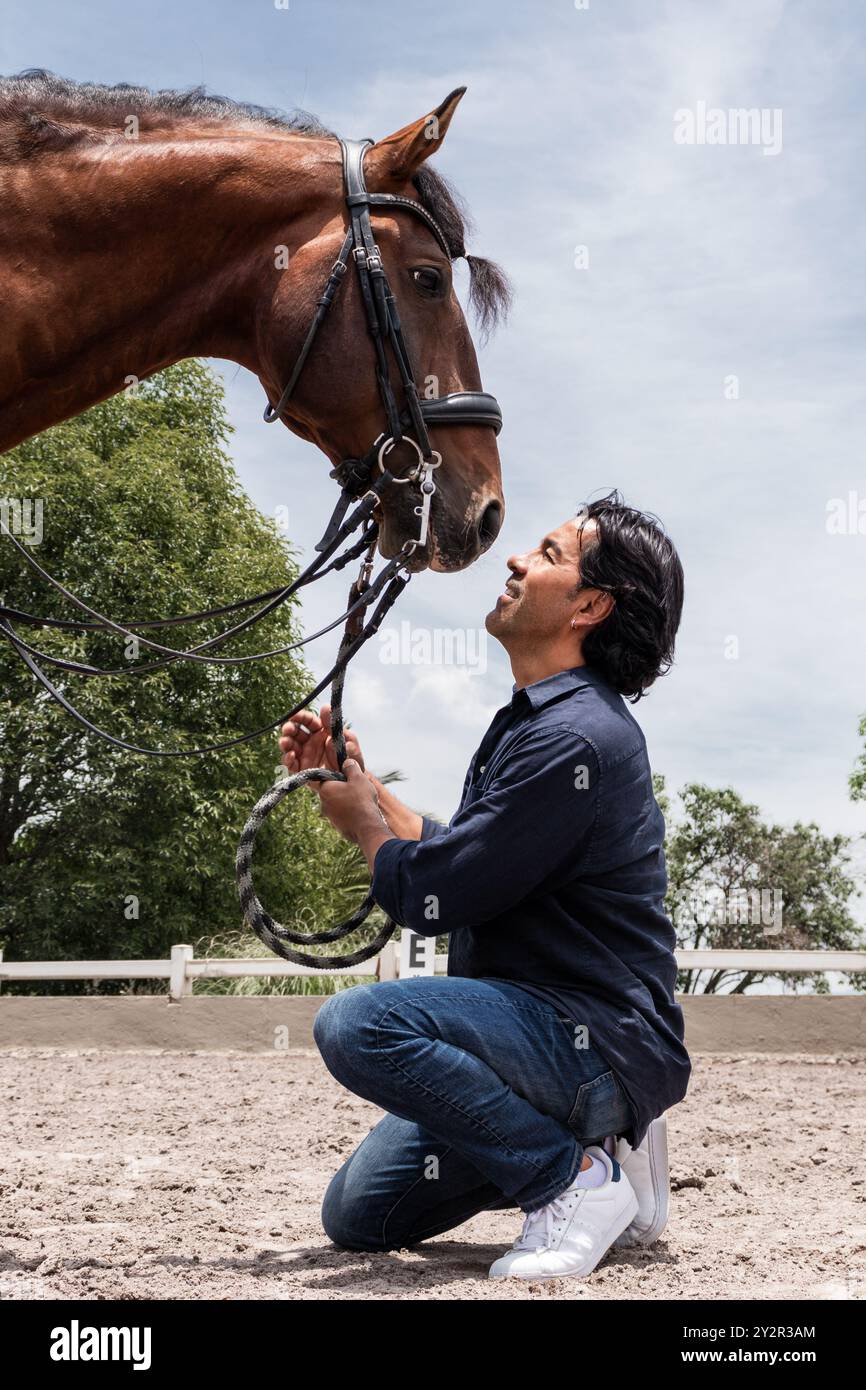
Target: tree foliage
105,854
857,780
738,883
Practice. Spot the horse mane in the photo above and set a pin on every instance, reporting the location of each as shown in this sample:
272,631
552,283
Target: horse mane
42,113
43,96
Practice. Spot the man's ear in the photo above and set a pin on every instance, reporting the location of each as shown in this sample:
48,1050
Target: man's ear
596,606
396,158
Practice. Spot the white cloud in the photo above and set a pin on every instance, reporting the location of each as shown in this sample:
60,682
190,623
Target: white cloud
455,694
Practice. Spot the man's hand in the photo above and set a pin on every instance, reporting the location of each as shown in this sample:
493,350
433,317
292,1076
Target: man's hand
307,742
352,807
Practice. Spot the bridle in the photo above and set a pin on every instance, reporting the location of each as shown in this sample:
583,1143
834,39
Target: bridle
383,321
358,484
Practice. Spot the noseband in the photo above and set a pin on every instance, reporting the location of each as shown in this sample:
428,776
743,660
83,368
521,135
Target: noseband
383,322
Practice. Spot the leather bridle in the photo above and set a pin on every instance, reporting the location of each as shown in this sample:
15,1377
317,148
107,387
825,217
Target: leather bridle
355,476
383,322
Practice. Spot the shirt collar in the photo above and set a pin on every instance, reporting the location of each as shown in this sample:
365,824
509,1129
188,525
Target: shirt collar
541,693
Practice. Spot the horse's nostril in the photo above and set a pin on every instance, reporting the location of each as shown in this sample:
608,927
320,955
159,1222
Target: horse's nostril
489,525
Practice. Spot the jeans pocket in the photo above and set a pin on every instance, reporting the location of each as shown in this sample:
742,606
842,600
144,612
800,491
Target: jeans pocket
601,1107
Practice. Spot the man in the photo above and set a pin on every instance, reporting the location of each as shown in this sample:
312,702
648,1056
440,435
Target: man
534,1075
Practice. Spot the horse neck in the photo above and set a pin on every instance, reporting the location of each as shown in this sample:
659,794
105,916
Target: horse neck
121,259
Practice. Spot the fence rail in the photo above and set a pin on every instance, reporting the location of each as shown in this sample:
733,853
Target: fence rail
183,969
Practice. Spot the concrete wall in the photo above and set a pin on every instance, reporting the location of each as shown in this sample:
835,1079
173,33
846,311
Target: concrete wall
262,1023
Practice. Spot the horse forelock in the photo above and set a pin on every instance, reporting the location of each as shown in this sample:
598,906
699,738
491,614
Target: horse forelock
489,289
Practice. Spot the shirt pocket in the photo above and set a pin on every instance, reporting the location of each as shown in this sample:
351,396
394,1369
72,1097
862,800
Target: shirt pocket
601,1107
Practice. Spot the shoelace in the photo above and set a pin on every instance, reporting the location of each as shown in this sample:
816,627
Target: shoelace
539,1226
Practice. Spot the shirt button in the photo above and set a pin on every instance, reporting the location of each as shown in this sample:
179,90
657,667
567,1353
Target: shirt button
481,769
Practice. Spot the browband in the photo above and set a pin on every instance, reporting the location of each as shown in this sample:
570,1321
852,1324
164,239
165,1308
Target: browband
357,196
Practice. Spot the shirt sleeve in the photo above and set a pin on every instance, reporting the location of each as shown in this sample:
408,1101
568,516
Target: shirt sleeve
535,819
431,827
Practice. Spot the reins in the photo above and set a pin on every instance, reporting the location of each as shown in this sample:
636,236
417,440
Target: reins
383,591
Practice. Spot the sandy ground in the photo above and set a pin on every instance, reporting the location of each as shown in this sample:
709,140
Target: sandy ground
199,1175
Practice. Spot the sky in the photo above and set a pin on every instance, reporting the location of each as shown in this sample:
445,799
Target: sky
688,326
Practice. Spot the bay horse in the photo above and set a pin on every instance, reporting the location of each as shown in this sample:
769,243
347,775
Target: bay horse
140,228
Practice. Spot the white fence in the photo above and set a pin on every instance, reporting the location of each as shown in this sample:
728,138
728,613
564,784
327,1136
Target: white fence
412,956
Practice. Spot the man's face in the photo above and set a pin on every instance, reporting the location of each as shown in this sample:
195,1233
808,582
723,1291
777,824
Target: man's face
538,600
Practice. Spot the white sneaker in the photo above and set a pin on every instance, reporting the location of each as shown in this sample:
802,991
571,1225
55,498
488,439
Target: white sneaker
570,1234
646,1168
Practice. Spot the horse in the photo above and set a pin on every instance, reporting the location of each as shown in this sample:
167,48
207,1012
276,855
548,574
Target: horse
140,228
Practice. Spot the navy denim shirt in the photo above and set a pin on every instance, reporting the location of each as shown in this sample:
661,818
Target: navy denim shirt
551,875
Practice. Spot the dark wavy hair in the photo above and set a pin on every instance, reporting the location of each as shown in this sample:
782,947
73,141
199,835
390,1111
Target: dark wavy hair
632,558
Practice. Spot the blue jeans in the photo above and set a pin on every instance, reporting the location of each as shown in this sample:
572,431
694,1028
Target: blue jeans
490,1103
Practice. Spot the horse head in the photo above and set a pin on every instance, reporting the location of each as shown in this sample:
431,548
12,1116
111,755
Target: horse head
337,398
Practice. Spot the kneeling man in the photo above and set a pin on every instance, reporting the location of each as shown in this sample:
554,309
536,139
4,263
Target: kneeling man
536,1074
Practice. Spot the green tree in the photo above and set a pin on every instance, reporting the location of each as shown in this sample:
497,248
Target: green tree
737,883
110,854
857,780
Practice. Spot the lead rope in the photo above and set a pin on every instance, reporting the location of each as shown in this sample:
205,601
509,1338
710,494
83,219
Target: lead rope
355,634
271,933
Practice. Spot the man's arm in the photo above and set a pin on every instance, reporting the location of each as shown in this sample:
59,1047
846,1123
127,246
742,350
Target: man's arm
537,817
367,814
405,823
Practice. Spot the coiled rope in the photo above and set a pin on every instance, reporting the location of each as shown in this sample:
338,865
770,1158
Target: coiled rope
271,933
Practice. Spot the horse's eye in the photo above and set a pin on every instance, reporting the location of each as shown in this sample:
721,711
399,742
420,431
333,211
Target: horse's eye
429,281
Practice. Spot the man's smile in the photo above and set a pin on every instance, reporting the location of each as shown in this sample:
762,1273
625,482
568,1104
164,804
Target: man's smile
509,593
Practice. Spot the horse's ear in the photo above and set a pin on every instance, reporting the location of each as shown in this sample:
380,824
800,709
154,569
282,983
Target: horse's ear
396,158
